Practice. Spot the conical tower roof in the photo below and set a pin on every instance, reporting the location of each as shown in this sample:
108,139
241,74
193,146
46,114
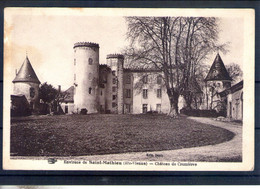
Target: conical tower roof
26,73
218,71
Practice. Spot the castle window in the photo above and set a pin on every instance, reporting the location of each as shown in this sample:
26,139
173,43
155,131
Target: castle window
114,104
90,61
113,97
32,92
159,80
128,93
128,79
101,93
113,73
74,62
113,89
159,93
89,90
145,93
128,108
145,79
114,80
74,77
145,109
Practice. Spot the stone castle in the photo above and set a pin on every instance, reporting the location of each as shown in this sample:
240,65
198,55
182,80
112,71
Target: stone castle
109,88
112,88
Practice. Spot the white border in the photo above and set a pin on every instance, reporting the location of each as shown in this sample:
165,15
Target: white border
248,69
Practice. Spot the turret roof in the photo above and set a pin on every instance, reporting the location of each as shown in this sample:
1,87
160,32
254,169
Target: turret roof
218,71
26,73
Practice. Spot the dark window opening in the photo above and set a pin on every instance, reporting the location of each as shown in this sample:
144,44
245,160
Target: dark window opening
66,109
113,89
145,79
90,90
145,108
114,104
145,93
113,97
90,61
128,93
32,92
128,79
127,108
159,93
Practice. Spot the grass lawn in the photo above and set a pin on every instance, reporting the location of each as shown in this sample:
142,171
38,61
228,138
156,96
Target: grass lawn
77,135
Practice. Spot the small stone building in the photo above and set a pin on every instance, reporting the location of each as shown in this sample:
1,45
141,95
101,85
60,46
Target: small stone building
233,97
216,81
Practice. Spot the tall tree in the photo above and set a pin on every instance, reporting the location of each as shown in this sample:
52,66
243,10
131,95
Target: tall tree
172,45
47,93
235,72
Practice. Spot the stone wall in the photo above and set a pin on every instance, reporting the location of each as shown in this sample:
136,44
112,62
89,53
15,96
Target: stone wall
29,90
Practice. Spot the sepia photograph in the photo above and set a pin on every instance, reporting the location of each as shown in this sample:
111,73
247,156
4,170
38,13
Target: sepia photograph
128,89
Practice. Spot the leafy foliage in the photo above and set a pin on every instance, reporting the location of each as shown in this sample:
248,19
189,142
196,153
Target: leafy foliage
235,72
47,93
175,46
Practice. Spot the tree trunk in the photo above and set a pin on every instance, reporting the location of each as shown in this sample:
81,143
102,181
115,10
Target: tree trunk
188,99
174,113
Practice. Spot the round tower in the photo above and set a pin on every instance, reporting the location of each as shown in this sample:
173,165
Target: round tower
27,83
116,63
86,76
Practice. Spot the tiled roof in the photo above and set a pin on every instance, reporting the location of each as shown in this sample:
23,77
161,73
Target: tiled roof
218,71
26,73
69,94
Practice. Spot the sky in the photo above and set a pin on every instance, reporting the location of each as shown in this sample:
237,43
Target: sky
48,38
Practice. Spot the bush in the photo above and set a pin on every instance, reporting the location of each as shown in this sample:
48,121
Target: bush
152,112
83,111
201,113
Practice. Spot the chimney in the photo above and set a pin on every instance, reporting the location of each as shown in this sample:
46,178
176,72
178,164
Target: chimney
59,88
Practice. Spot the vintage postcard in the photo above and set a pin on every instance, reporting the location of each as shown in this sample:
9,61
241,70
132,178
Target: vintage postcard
128,89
